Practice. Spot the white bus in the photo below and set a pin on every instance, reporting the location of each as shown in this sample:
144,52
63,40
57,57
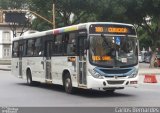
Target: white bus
97,55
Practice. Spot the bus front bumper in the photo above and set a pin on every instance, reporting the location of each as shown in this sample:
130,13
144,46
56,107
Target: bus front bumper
111,83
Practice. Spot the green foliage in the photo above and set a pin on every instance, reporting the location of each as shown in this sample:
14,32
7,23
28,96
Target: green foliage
43,8
70,12
110,10
144,39
14,4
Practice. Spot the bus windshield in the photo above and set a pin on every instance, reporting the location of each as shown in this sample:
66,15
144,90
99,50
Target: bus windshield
113,51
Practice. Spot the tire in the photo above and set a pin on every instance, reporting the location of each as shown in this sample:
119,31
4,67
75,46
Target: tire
68,83
29,78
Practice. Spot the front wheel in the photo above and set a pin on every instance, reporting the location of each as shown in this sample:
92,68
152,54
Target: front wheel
68,83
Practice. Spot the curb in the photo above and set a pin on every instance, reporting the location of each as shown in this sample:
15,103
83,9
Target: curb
143,74
5,69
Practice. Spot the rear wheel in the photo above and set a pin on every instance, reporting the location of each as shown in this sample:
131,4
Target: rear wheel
29,78
67,82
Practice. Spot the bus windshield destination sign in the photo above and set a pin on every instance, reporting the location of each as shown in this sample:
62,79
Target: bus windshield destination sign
111,29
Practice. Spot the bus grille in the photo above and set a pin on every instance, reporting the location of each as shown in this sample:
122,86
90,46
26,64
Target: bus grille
122,71
116,82
114,76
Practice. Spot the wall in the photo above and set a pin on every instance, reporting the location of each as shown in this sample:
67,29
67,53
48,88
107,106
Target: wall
0,44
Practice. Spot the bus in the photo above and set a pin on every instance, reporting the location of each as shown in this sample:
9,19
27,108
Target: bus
93,55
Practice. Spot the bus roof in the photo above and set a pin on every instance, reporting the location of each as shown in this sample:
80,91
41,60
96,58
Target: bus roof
67,29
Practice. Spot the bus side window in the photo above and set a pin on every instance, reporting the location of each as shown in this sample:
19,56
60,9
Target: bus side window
71,45
38,48
58,45
30,47
24,48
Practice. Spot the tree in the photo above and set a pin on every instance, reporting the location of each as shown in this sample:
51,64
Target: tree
144,39
68,12
43,8
110,10
137,12
14,4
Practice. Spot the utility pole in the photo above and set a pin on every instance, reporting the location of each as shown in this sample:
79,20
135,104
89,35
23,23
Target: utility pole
54,23
1,16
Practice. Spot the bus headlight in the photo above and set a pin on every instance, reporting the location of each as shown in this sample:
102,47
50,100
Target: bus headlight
134,74
95,74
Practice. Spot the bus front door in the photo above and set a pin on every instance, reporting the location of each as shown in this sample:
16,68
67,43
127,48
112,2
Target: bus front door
20,60
48,47
82,61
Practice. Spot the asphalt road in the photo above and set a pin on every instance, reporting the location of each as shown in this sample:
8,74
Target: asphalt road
15,92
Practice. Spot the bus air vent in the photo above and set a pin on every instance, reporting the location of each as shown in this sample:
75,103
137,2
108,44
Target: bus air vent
115,82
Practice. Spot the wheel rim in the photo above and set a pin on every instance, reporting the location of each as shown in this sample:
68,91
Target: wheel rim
68,85
28,80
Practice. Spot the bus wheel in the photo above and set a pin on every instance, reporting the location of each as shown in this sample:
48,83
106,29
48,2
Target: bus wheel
29,77
68,83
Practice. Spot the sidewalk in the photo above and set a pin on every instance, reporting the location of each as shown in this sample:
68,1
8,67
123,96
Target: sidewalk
144,71
149,71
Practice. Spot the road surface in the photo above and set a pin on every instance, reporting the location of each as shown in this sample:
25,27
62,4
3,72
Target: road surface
15,92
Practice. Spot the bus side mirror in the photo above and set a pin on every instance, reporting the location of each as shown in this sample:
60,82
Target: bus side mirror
86,44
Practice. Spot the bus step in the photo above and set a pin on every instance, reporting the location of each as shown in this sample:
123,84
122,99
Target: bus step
20,76
83,86
48,81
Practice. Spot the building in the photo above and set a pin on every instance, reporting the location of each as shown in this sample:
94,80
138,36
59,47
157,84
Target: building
6,36
21,21
6,32
5,43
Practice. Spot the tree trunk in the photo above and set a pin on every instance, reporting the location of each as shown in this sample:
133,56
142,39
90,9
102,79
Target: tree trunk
152,61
